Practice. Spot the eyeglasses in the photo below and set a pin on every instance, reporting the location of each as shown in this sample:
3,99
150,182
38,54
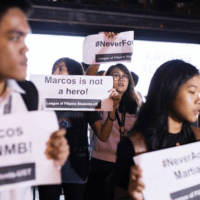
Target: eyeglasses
117,76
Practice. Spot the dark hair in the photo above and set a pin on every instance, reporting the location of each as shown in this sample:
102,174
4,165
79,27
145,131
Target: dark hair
85,66
153,117
100,73
135,78
127,103
24,5
73,67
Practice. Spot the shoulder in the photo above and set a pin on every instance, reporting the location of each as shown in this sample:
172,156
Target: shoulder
125,147
27,85
92,117
31,96
196,132
138,141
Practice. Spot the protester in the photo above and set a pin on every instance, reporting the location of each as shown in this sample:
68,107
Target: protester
18,97
76,170
164,121
104,153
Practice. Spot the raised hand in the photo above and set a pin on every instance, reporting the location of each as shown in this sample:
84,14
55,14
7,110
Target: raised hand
115,96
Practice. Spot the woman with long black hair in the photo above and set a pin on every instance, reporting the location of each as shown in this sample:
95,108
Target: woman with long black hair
104,153
164,121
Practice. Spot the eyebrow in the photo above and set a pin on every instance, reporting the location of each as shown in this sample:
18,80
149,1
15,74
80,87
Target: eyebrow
195,86
21,33
119,73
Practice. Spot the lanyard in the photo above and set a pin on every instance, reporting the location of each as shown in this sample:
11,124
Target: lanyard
121,124
7,107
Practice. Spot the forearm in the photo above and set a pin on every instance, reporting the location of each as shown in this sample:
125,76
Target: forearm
103,130
107,126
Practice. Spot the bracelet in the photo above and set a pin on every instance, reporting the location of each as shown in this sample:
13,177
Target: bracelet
111,118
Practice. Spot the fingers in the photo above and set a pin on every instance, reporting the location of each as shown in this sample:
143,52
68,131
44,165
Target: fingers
114,94
58,133
137,196
63,154
136,172
57,138
135,189
57,147
136,185
112,90
110,35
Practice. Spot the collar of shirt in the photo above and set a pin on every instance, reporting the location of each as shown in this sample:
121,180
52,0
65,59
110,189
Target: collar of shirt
15,102
15,87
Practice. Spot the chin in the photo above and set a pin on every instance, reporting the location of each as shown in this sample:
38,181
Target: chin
20,78
193,121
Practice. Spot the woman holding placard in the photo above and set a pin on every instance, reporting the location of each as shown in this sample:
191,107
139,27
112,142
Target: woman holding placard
104,153
75,171
164,121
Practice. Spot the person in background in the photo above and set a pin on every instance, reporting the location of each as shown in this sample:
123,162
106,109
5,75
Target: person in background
104,153
164,121
76,170
101,73
14,28
136,79
85,67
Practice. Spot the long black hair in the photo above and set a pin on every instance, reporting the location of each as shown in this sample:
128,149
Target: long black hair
73,67
128,102
153,117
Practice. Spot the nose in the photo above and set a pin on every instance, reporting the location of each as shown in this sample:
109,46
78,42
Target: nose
198,100
56,72
24,48
121,77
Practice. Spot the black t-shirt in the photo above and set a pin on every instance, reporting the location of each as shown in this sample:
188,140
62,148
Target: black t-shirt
125,154
76,169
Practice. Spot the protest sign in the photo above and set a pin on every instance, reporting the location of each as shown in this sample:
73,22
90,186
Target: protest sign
23,140
171,174
99,49
87,93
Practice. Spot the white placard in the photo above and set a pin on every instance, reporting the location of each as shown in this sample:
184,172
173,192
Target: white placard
99,49
86,93
23,140
171,174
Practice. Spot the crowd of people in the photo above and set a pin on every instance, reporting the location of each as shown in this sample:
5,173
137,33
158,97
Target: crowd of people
133,127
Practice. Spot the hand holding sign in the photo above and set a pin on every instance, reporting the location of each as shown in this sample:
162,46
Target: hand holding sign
22,147
110,34
115,96
104,48
75,92
57,147
136,186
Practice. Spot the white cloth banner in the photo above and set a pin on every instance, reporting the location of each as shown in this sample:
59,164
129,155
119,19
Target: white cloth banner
171,174
23,140
99,49
86,93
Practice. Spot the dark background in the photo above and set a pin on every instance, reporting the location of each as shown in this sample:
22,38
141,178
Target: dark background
153,20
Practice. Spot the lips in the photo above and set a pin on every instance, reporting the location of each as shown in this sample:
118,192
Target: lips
120,84
24,62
